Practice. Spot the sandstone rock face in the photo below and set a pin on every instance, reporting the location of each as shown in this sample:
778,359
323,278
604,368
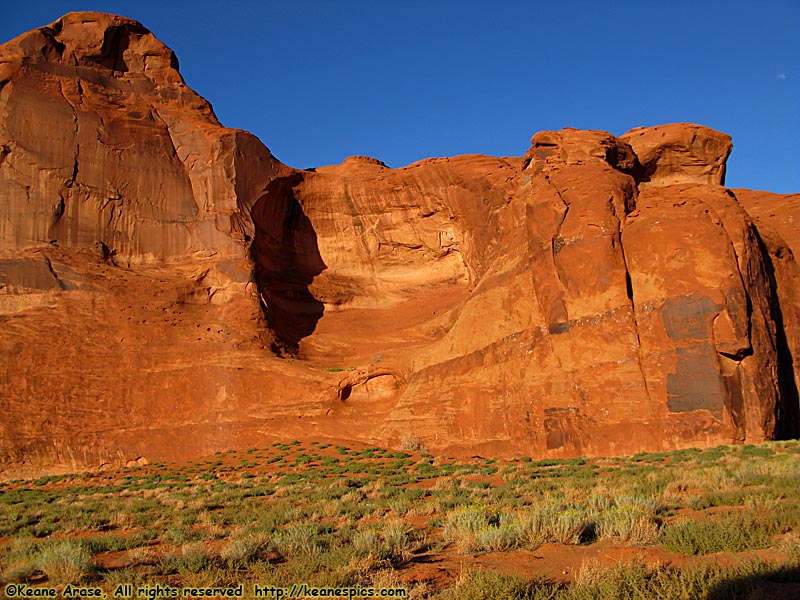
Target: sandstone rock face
168,288
776,217
679,153
101,141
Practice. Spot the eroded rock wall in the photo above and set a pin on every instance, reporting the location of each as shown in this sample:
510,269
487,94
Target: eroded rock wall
102,142
168,288
643,319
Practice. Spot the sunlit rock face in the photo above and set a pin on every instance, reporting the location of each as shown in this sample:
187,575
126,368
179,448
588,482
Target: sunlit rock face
168,288
103,142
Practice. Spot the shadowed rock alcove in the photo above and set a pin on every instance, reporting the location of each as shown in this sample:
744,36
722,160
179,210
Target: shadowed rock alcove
287,258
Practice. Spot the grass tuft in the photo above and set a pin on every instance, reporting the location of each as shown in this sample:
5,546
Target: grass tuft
64,561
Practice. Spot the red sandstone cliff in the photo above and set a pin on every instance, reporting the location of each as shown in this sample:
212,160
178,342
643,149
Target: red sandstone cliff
168,288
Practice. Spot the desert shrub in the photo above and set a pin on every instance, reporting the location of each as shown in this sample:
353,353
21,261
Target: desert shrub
116,577
191,558
636,580
399,506
18,560
536,525
241,552
298,539
731,532
64,561
753,451
368,542
479,528
393,543
489,585
140,556
556,523
630,519
741,580
462,525
762,503
112,542
598,503
396,536
457,497
211,576
572,526
721,498
18,572
503,536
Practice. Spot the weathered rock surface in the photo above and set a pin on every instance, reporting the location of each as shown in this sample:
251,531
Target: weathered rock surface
103,142
168,288
679,153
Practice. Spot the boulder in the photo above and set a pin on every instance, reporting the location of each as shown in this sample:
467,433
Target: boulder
679,153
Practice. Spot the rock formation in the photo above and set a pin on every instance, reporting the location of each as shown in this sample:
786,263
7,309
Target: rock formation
168,288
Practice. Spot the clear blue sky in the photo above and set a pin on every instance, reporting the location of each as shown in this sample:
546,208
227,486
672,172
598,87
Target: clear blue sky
321,80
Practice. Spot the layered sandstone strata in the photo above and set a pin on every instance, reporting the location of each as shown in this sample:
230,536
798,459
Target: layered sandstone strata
168,288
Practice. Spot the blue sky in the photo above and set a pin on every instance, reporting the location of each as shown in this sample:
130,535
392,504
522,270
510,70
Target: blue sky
321,80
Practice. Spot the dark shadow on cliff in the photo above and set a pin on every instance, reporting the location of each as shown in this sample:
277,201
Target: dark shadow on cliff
286,258
787,417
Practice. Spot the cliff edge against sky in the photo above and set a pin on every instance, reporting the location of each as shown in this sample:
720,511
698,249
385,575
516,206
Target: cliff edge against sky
168,288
